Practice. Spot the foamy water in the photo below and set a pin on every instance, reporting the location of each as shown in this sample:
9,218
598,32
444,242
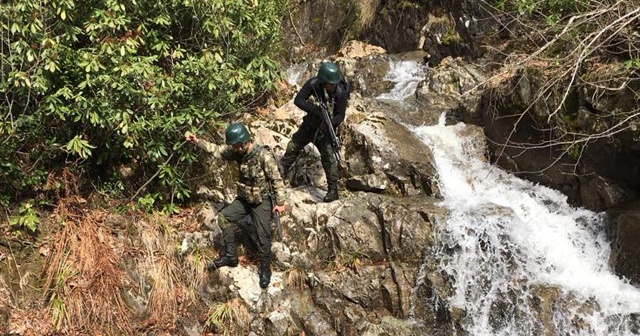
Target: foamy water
294,73
505,238
406,75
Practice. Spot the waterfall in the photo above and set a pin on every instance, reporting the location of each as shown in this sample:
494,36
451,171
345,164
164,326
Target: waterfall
406,75
510,246
294,73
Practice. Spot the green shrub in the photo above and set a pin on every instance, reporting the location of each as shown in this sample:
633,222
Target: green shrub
27,219
94,84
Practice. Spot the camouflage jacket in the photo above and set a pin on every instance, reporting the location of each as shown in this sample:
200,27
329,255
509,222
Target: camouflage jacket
257,169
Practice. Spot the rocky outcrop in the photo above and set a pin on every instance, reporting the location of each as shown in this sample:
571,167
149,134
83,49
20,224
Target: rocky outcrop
347,266
380,146
440,28
453,87
601,176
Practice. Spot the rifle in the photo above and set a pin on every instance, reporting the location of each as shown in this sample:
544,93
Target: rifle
276,214
335,142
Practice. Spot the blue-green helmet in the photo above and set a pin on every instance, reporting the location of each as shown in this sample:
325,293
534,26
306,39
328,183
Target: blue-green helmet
236,133
329,73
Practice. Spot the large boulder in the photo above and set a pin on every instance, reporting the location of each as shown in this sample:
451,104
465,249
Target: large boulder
374,143
357,49
372,227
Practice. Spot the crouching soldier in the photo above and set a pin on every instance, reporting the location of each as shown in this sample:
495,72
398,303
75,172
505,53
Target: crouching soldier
258,171
332,90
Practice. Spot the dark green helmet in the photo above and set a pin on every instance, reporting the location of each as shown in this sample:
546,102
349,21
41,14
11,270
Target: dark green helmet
329,73
236,133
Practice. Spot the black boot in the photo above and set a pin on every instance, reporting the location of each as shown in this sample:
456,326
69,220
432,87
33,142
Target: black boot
265,274
228,257
332,195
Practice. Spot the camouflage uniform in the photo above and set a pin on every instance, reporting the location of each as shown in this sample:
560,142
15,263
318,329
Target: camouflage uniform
257,169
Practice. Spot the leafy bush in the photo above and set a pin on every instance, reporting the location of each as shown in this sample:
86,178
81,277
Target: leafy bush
95,84
26,220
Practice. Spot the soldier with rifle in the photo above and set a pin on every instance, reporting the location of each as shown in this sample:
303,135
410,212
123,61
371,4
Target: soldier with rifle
331,93
260,194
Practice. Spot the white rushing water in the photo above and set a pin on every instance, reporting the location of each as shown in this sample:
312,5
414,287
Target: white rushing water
406,75
294,73
507,240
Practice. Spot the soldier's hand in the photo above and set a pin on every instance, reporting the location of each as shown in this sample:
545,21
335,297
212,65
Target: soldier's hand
279,208
191,137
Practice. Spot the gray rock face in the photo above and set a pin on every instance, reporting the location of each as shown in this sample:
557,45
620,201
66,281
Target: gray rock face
377,144
369,182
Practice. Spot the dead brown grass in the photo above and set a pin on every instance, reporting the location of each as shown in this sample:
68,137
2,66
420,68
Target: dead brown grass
367,10
229,318
82,273
82,277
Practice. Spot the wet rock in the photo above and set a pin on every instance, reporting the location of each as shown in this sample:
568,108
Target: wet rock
624,233
353,228
307,316
452,87
543,298
406,226
333,290
368,75
599,193
429,300
397,282
341,296
373,225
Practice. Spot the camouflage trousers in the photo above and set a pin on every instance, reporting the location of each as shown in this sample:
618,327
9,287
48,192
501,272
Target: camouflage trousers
306,134
260,229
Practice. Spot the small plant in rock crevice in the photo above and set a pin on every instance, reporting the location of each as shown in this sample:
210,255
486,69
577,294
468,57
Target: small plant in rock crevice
347,259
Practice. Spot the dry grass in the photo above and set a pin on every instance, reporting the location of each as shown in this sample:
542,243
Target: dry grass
231,317
196,274
158,259
367,10
295,278
82,274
